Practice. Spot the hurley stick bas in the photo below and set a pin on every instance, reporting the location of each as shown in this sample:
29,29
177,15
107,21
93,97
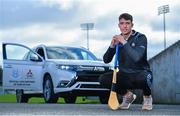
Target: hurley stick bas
113,102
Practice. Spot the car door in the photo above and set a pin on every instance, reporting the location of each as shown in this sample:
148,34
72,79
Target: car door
22,67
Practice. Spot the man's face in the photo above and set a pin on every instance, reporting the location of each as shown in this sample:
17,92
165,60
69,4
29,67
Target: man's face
125,26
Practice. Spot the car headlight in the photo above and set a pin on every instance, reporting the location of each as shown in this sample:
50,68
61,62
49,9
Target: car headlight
65,67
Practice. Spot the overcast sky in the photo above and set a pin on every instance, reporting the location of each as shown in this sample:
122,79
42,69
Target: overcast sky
57,22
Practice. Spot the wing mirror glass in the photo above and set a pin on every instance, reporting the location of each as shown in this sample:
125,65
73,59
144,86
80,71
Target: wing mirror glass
34,57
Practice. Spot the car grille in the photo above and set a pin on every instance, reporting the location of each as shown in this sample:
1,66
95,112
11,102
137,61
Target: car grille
91,86
89,76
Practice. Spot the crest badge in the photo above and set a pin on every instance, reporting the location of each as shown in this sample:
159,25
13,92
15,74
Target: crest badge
133,44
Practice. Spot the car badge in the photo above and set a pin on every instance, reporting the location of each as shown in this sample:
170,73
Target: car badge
29,74
15,74
95,69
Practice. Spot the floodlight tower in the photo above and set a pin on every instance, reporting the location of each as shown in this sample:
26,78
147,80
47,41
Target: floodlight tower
163,10
87,27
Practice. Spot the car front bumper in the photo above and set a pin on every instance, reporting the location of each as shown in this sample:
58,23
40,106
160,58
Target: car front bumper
82,86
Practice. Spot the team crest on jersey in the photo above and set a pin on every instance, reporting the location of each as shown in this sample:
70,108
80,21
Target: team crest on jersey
133,44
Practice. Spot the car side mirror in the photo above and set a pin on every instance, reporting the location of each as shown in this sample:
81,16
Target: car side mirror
34,57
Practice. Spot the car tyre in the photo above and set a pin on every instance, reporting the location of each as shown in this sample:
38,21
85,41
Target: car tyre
48,91
21,97
70,99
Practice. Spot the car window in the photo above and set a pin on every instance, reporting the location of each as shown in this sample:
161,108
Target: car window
69,53
86,56
14,52
28,54
40,51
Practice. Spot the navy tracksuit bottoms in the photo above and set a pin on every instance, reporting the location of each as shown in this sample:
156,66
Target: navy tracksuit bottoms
129,81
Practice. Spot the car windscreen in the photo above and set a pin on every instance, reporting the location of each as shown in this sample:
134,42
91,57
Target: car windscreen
69,53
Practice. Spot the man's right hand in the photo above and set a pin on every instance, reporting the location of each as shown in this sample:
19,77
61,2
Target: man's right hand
117,39
114,41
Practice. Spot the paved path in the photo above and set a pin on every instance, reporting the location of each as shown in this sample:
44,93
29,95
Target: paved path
82,109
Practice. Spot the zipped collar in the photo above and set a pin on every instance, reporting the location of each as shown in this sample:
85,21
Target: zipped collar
133,34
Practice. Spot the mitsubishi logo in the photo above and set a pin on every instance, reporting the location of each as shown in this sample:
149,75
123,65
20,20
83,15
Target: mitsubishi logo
95,68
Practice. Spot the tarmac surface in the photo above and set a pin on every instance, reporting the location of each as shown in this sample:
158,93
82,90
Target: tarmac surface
82,109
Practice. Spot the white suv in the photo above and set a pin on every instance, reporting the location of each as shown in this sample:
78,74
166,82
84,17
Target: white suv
52,72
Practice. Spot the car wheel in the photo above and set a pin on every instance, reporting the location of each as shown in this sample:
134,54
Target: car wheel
104,99
21,97
48,91
70,99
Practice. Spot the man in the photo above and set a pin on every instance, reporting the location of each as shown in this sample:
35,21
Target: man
134,71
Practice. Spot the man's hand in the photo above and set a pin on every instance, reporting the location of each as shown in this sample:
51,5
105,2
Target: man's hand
117,39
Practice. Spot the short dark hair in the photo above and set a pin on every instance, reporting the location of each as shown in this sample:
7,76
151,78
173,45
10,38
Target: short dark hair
126,16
